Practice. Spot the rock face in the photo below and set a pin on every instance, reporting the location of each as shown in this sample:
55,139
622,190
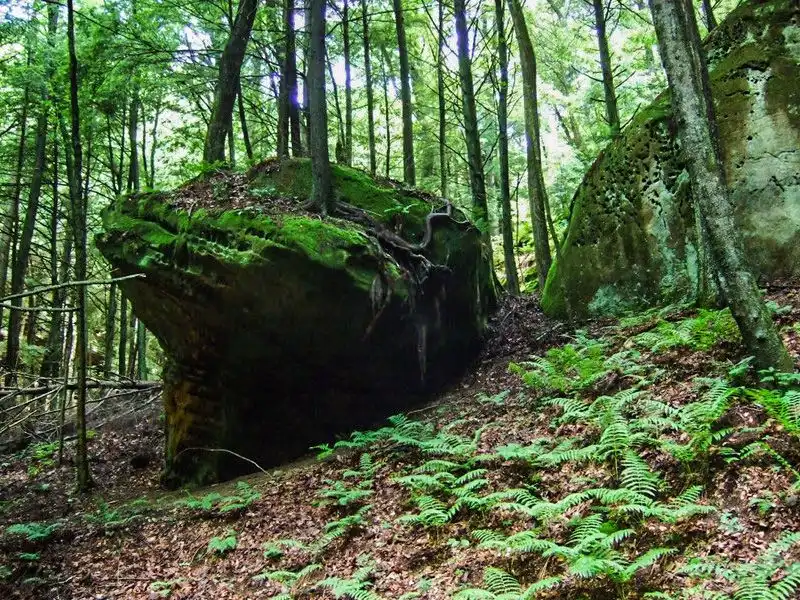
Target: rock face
282,328
632,238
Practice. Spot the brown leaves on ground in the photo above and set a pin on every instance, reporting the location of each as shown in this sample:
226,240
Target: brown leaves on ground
159,547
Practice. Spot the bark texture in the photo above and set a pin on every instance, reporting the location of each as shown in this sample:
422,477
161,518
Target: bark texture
230,66
537,194
685,63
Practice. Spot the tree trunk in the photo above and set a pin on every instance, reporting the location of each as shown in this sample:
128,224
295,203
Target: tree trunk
306,101
442,106
536,189
10,232
322,186
512,280
248,146
348,88
230,66
20,267
471,133
151,176
59,272
122,356
610,92
141,352
373,159
386,116
693,108
79,230
134,180
708,13
111,324
409,169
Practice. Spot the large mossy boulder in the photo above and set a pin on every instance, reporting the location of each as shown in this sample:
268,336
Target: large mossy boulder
283,328
632,237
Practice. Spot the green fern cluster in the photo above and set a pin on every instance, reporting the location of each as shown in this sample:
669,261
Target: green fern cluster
33,532
575,367
501,585
354,487
215,503
770,577
701,332
295,583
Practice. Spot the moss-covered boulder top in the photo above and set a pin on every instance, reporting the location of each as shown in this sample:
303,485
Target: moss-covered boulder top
282,327
632,239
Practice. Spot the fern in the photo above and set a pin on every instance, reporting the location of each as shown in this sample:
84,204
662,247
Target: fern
295,583
34,532
755,581
222,545
501,585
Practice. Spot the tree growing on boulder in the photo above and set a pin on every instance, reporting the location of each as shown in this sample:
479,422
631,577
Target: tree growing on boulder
230,65
687,73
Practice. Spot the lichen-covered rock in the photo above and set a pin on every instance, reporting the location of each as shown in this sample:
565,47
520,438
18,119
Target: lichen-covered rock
632,238
282,328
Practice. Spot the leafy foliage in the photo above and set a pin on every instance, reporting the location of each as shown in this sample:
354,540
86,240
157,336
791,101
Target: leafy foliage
222,545
215,503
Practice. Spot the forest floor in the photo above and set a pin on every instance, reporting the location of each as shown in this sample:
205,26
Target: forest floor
641,458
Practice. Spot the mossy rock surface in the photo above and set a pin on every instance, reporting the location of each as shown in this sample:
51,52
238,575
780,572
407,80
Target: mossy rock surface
632,238
282,328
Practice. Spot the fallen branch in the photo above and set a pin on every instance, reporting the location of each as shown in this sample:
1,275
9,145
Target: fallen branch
88,282
244,458
94,385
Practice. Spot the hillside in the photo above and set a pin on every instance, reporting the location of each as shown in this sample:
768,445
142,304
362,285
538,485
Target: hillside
639,458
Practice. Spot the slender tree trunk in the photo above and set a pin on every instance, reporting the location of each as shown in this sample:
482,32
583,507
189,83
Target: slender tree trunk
322,186
474,157
111,324
373,159
133,345
282,143
230,66
248,146
122,347
20,267
340,149
141,351
306,101
536,189
409,169
512,280
291,83
231,147
51,360
79,229
348,88
151,176
134,180
685,63
708,13
10,232
442,107
387,120
610,92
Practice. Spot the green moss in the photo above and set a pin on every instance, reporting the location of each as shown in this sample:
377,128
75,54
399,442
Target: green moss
383,202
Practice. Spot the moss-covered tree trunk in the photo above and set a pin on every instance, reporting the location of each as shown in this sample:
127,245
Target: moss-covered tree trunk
687,72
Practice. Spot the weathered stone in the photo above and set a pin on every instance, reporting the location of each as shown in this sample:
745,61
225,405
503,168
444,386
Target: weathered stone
632,238
283,328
